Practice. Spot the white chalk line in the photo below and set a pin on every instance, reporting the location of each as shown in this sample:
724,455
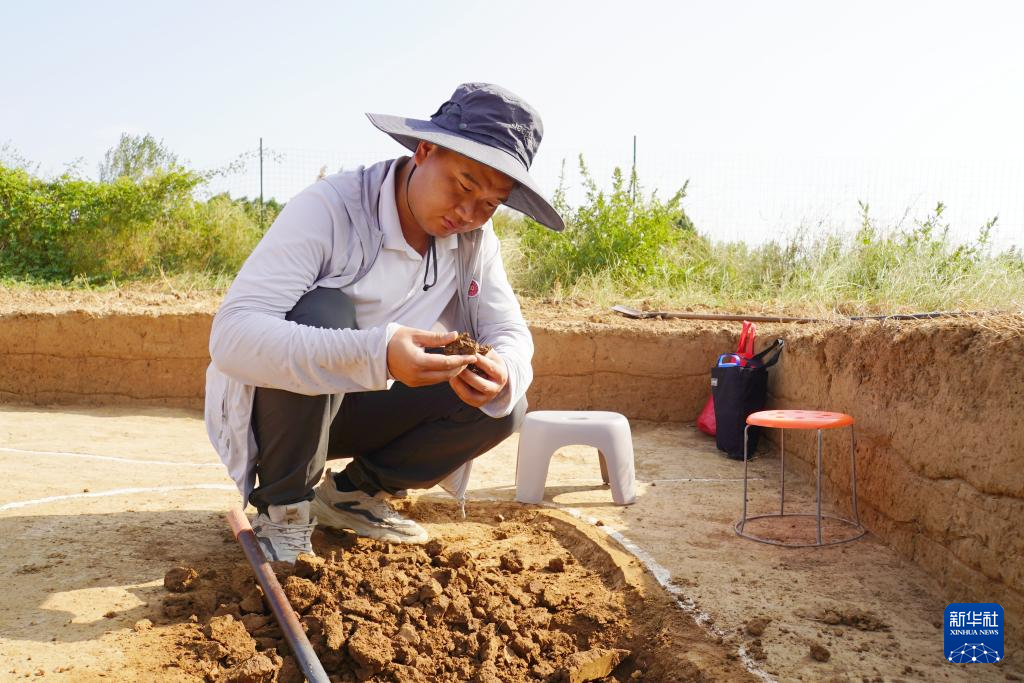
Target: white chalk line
682,480
662,575
110,458
115,492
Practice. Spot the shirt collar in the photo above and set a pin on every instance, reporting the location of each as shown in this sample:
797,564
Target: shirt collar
392,226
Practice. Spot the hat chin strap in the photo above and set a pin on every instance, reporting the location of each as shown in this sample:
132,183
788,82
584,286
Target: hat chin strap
431,247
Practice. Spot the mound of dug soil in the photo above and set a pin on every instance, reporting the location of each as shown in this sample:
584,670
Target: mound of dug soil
505,602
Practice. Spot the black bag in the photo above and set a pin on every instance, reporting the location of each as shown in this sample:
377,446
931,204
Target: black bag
738,391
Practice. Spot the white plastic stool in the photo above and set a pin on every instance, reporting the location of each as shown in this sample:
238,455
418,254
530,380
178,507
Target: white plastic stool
545,431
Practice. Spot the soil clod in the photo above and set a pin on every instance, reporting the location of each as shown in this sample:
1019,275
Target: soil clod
757,625
820,653
231,635
256,669
858,619
370,648
180,579
465,345
592,665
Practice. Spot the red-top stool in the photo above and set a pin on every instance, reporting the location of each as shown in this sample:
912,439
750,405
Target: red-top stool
802,419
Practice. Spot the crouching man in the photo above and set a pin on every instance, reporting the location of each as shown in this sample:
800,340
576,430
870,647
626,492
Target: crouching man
325,344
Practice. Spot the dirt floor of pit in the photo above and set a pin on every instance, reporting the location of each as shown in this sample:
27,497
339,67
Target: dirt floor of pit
99,503
512,594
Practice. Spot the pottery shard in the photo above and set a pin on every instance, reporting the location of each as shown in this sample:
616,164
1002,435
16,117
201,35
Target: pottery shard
231,634
592,665
228,608
257,669
466,345
370,648
301,592
180,579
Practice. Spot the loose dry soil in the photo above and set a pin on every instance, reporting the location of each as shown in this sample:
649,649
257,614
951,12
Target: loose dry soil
512,595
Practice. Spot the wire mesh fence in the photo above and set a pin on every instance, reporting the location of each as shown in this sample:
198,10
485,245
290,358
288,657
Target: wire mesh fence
731,197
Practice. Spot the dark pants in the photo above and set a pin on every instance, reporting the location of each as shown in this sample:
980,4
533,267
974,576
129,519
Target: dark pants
401,438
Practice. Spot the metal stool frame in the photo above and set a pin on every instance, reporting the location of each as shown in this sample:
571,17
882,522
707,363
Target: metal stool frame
859,530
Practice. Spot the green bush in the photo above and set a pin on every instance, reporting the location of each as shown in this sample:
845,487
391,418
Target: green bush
69,228
624,235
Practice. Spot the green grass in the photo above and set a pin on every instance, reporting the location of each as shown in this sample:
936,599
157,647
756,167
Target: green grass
625,246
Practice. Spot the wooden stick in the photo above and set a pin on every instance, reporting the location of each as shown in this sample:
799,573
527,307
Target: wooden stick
634,313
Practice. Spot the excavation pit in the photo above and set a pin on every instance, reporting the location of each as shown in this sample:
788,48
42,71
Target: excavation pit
116,485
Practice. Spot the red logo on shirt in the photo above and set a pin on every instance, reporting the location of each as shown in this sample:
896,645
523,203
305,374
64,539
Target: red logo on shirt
474,288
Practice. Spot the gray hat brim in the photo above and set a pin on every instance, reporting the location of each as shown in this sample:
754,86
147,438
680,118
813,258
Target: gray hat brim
526,197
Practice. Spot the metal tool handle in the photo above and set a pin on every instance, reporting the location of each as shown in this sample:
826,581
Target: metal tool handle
305,657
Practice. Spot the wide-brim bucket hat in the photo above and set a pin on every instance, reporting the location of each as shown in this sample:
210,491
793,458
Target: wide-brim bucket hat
491,125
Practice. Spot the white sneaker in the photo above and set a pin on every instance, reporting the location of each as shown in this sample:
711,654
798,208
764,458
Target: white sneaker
366,515
284,531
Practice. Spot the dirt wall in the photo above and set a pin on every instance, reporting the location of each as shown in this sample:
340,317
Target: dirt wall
939,408
940,426
101,359
655,372
161,359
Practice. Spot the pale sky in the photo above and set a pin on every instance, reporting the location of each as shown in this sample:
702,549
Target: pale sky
779,113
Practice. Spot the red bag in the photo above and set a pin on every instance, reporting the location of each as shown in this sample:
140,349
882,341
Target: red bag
745,350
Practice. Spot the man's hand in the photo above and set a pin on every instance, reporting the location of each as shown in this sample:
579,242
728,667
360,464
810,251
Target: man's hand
414,367
476,390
